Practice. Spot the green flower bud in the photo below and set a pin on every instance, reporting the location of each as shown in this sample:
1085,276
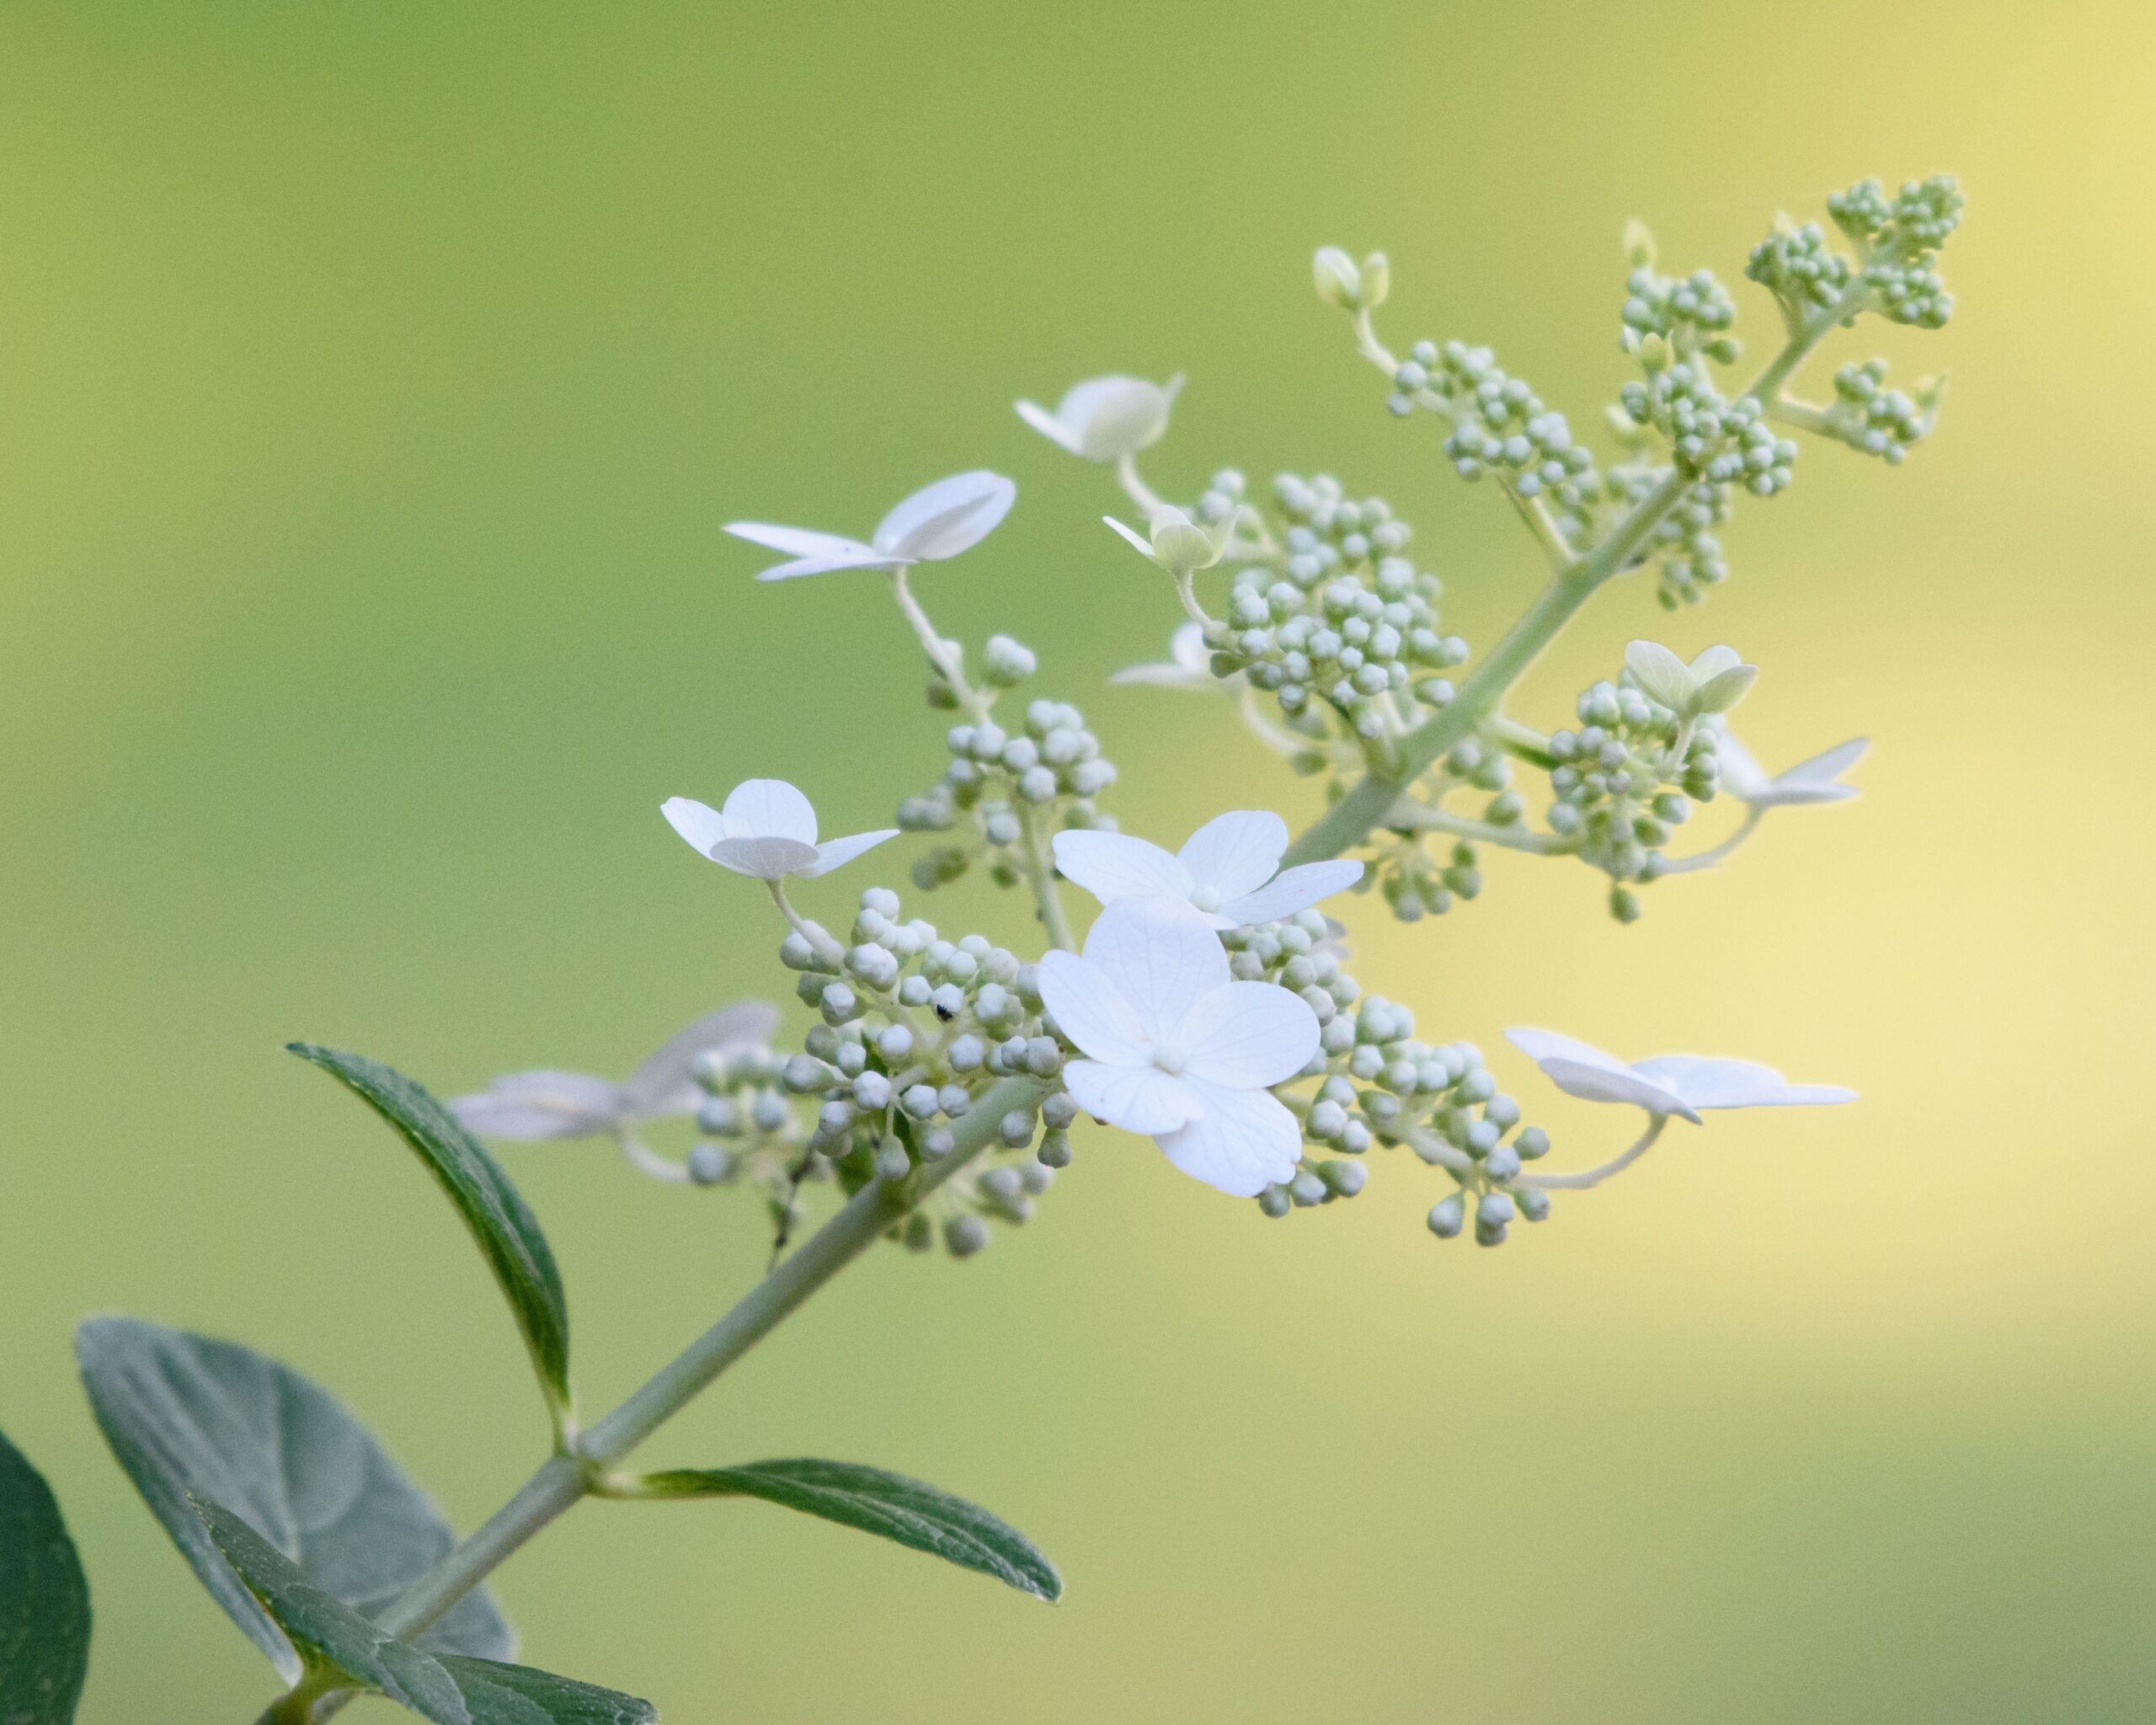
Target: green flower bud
1339,283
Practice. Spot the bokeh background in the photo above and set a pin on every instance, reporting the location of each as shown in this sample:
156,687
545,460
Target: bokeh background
373,383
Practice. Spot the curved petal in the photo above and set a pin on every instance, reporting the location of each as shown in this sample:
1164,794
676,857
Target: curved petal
798,542
1248,1035
1091,1011
950,517
1235,853
832,853
766,859
663,1085
1163,675
1134,537
699,822
1163,956
1742,775
1548,1044
1050,427
1774,794
1624,1084
1706,1082
531,1106
867,560
1243,1142
1137,1098
1828,766
1113,865
1109,418
1293,889
1661,673
1713,662
768,807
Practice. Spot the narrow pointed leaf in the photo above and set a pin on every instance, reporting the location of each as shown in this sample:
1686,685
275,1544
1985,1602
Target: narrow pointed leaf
878,1502
44,1602
188,1415
332,1639
500,1221
517,1694
339,1644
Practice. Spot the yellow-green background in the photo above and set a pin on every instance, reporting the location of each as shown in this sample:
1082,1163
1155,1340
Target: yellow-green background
374,380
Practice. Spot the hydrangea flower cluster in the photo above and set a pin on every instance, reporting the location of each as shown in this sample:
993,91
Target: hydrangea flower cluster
1210,1005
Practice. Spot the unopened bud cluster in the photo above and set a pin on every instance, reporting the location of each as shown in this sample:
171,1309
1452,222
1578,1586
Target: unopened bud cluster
1379,1086
1623,780
1336,621
1870,417
1003,789
914,1027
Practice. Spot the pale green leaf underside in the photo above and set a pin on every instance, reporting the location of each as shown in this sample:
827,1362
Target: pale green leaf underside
878,1502
500,1221
44,1602
339,1644
188,1415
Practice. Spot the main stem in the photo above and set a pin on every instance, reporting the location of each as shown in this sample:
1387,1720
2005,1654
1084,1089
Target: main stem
562,1480
1351,819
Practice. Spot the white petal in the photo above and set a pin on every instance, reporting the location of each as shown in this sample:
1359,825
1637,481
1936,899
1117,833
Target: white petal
1659,672
1137,1098
1245,1141
663,1085
699,822
1135,537
867,560
766,859
1109,418
1706,1082
768,807
1827,766
1547,1044
944,519
531,1106
1162,955
1601,1084
798,542
833,852
1713,662
1248,1035
1113,865
1091,1011
1050,427
1742,775
1235,853
1163,675
1293,889
1774,794
1187,647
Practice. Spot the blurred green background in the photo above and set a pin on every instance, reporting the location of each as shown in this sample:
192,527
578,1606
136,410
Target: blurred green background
374,380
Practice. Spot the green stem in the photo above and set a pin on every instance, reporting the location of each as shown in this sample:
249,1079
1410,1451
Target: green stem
562,1480
1040,876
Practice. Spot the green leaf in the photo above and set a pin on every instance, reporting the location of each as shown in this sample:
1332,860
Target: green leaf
188,1415
44,1602
344,1648
500,1221
878,1502
517,1694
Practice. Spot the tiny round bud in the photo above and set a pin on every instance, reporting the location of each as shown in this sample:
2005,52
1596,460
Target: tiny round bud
965,1235
892,1162
1447,1217
708,1165
1055,1148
